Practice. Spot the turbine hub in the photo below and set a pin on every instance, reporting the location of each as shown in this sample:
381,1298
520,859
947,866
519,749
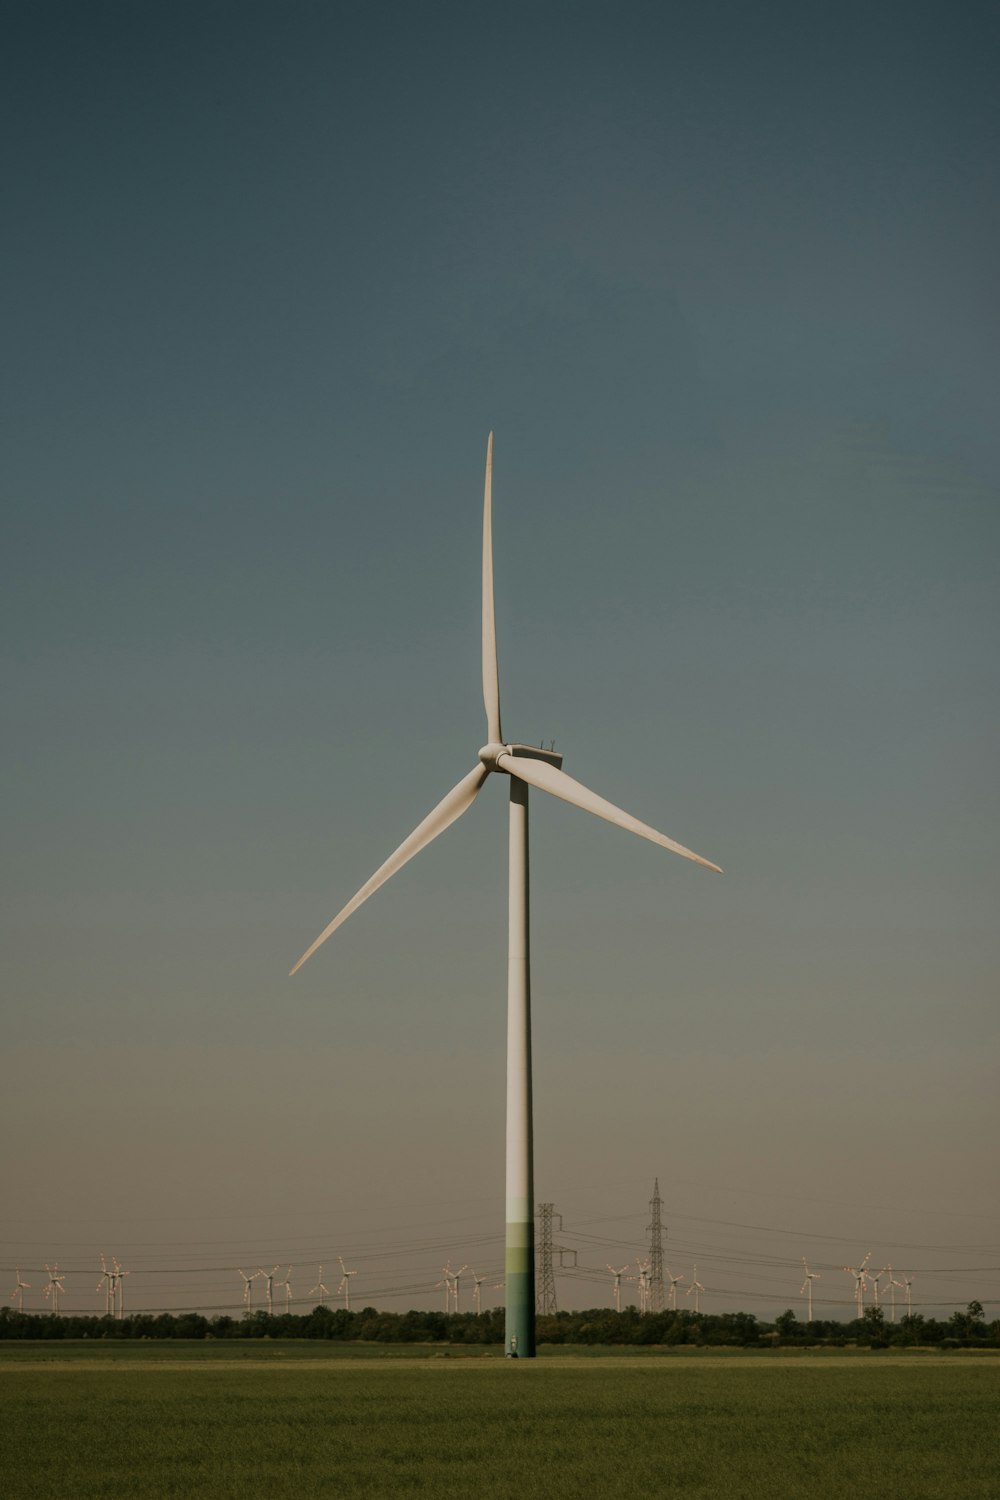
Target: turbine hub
489,755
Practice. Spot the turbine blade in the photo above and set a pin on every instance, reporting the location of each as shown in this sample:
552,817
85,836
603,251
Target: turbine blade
539,773
491,680
458,800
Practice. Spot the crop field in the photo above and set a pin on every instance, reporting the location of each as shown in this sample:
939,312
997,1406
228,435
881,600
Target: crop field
79,1422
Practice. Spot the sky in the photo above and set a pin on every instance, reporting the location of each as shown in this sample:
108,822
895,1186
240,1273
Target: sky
723,284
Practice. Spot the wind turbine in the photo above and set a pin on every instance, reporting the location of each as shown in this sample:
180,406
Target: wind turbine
247,1297
643,1267
324,1291
19,1291
875,1281
618,1284
697,1288
893,1284
672,1293
107,1281
288,1289
525,766
345,1283
477,1295
118,1288
55,1285
860,1277
269,1285
907,1283
807,1286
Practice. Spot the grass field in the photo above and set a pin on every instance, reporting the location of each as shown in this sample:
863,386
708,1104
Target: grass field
224,1421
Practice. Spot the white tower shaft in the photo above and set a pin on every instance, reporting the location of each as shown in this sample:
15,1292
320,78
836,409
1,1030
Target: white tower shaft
519,1259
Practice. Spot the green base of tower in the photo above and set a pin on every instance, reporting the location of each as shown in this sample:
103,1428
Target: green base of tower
519,1340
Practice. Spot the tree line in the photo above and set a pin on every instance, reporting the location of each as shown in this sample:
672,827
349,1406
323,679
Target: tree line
599,1325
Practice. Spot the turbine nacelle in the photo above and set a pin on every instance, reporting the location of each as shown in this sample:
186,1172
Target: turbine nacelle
490,755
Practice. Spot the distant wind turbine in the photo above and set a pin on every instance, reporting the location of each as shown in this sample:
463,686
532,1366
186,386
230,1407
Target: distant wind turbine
860,1277
247,1296
525,766
324,1291
907,1284
118,1289
344,1289
697,1288
19,1291
268,1277
893,1286
617,1274
107,1281
287,1284
54,1286
807,1287
672,1293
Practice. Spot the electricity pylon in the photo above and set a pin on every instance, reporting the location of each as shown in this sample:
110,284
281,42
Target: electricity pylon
654,1290
546,1299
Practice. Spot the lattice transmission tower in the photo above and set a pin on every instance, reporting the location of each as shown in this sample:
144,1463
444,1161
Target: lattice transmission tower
655,1292
545,1297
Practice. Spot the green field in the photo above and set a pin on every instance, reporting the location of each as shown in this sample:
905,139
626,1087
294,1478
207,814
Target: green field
226,1421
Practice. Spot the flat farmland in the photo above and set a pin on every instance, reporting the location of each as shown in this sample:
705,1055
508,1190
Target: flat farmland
276,1421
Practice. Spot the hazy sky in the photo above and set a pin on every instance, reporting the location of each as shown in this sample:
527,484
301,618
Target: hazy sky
724,284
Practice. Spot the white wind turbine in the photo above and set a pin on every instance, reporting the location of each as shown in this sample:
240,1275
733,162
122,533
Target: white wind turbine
345,1283
268,1277
875,1281
525,766
643,1267
672,1293
324,1291
617,1274
907,1283
477,1294
118,1288
288,1289
807,1287
247,1296
893,1285
55,1285
107,1281
860,1277
697,1288
19,1291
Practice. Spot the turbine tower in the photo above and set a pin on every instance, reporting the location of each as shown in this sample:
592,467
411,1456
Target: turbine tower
107,1281
893,1285
268,1277
525,766
860,1277
807,1287
118,1289
345,1283
477,1295
55,1285
19,1291
642,1266
672,1294
288,1289
697,1288
247,1297
907,1283
324,1291
618,1274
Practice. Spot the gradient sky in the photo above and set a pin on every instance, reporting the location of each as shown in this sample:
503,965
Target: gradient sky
724,284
